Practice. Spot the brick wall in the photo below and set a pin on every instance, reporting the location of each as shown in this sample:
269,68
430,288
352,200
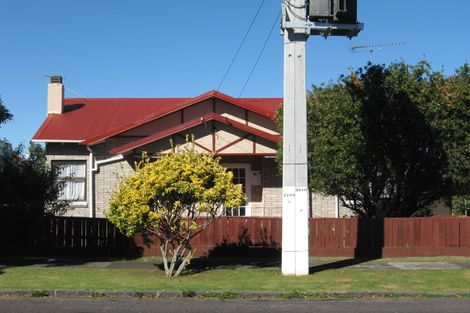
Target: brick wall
107,177
272,188
320,205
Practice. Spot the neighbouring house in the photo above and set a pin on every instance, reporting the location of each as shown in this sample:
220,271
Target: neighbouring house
94,140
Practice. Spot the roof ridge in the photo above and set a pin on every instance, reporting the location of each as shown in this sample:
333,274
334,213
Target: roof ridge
126,98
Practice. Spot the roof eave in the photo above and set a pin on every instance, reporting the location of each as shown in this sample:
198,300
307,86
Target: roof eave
57,140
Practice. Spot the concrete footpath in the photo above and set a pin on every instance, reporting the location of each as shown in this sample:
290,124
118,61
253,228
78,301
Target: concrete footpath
137,264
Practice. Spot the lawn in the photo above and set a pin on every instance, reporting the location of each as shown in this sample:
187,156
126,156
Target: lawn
235,278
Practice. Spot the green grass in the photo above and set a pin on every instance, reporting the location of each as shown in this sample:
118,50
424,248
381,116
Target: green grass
235,279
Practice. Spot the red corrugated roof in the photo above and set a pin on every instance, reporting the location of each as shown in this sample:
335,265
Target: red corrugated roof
94,119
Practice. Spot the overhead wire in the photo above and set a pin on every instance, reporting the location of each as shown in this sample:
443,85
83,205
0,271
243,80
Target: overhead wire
260,55
73,91
240,46
293,5
289,6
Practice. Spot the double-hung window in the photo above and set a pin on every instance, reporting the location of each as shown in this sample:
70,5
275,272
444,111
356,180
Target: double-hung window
239,177
72,175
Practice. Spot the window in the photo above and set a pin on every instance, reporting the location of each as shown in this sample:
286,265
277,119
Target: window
239,177
73,176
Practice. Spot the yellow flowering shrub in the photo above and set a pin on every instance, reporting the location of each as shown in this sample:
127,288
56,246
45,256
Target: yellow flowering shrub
168,198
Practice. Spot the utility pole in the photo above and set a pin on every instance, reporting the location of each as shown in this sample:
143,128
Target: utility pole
295,208
329,17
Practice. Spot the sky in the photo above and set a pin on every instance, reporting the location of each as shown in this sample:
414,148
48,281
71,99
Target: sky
156,48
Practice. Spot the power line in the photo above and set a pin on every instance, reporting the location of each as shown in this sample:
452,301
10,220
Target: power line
73,91
293,5
289,6
260,54
240,46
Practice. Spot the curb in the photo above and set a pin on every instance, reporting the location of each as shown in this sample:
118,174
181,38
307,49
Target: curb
226,295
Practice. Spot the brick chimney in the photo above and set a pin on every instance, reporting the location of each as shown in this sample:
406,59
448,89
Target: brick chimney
55,95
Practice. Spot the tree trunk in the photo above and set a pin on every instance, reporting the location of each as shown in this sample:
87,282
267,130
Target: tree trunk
186,260
164,249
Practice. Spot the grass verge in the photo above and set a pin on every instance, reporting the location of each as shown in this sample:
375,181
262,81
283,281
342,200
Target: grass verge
238,279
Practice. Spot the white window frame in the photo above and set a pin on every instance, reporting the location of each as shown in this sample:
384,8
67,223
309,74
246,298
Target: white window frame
248,182
82,178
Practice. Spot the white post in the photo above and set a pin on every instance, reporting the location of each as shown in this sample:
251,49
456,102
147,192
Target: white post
295,210
91,207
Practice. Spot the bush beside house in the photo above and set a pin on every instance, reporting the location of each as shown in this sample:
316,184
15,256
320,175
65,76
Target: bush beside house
174,198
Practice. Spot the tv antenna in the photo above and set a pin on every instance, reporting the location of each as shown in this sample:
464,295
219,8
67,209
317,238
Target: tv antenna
375,47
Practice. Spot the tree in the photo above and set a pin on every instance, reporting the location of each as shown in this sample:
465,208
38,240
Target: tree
460,206
29,185
451,118
175,198
4,113
390,140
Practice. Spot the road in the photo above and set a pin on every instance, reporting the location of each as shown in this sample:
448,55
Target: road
125,305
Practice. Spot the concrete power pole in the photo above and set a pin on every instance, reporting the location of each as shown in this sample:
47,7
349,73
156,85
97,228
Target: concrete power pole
295,208
325,18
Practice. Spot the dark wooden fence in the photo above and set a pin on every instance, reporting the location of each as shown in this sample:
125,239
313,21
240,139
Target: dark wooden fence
230,236
391,237
236,236
52,235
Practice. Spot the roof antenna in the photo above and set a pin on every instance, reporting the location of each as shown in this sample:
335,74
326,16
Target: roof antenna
375,47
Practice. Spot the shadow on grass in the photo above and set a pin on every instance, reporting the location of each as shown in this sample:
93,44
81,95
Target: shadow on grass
247,249
368,246
245,252
66,256
339,264
6,262
233,256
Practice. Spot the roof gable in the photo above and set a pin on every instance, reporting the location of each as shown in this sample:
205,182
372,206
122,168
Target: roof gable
190,124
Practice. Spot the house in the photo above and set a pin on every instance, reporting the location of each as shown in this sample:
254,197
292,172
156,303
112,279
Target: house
94,140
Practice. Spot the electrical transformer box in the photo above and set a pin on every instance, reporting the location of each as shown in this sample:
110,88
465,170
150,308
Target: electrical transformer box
336,11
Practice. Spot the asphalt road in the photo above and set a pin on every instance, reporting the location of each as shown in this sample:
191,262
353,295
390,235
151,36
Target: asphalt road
121,305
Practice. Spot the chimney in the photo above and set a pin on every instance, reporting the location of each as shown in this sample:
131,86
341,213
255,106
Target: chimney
55,95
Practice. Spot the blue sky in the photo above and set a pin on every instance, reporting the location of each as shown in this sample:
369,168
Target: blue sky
156,48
